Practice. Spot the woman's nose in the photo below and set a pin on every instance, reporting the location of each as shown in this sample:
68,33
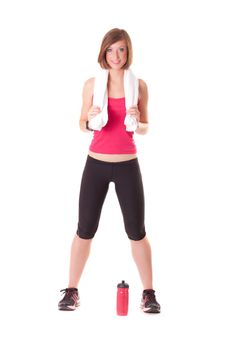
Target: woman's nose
115,54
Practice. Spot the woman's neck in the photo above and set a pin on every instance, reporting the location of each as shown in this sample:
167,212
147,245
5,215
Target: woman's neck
116,83
116,76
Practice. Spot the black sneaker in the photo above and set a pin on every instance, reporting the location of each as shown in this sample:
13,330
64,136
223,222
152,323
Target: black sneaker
149,303
70,301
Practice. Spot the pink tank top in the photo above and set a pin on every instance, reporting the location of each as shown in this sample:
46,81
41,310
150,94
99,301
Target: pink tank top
113,138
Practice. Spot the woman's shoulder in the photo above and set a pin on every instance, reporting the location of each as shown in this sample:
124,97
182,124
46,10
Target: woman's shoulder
89,82
142,84
89,86
142,88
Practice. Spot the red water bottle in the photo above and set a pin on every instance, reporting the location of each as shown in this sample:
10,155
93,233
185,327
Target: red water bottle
122,298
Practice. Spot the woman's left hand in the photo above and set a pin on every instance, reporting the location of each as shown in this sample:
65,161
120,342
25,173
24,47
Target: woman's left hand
134,112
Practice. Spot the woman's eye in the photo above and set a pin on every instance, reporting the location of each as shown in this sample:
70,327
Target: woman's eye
109,50
122,49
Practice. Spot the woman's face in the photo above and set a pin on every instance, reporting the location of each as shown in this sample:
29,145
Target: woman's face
116,54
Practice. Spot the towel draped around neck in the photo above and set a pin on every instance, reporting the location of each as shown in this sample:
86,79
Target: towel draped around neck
100,99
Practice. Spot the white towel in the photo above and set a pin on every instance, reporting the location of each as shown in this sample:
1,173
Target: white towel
100,99
131,98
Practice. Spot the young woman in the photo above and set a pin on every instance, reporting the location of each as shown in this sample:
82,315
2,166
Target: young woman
112,157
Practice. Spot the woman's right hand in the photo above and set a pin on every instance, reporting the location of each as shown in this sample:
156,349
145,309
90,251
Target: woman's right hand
92,113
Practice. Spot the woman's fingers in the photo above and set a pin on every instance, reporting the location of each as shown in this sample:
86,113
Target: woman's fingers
93,111
134,112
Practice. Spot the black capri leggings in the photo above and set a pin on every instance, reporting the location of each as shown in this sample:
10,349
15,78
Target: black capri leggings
127,178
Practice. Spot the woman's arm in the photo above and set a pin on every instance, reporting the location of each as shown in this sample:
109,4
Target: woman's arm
142,107
87,97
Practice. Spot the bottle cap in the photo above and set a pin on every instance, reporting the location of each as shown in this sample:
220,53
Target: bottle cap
122,285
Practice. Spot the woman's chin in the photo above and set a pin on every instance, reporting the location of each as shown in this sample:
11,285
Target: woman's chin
116,66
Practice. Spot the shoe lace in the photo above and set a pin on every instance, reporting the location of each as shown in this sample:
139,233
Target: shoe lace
68,292
150,297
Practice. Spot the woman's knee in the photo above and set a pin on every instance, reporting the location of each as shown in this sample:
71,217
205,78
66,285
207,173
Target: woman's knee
136,235
86,233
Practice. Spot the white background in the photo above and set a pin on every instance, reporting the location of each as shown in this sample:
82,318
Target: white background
183,50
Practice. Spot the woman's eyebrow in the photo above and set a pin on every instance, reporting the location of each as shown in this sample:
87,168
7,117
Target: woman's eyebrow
119,47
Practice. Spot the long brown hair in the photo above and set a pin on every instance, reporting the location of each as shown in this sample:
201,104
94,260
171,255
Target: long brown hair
111,37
